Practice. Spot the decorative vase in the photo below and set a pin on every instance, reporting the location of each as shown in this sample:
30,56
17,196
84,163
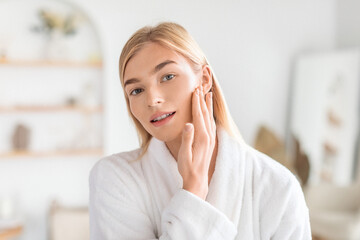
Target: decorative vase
56,47
21,138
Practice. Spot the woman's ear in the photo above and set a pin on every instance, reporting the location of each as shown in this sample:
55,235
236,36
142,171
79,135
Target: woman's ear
206,78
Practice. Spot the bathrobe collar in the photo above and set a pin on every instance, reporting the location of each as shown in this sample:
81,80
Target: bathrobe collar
229,154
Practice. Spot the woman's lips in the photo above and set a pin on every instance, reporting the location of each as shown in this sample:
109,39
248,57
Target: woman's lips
158,114
163,121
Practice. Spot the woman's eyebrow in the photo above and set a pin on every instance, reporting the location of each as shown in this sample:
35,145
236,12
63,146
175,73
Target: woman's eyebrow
131,81
161,65
156,69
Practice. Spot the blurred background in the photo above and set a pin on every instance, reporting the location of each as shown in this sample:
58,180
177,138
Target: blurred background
289,70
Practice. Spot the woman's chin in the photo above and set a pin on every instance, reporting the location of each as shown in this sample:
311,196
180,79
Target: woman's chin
167,136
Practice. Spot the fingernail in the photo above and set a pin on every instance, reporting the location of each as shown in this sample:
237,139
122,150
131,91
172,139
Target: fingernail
210,94
197,91
188,127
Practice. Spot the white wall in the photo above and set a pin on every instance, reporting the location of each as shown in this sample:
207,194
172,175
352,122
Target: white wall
347,24
348,36
250,45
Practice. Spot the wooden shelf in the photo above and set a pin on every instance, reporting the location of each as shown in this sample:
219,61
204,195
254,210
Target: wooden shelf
84,109
9,233
63,153
61,64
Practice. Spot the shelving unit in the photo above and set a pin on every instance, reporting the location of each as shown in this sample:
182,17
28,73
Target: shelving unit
35,71
56,64
51,110
34,109
51,84
59,153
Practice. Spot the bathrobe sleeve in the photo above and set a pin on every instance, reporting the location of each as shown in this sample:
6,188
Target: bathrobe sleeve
294,222
284,214
118,210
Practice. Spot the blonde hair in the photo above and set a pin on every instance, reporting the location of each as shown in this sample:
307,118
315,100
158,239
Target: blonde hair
175,37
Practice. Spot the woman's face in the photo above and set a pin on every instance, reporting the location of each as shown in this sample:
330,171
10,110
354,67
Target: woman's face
160,81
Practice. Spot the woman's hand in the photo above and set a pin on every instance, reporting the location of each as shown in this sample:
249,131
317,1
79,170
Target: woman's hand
198,141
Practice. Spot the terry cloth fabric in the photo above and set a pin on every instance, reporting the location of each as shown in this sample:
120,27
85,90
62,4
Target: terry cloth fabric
251,196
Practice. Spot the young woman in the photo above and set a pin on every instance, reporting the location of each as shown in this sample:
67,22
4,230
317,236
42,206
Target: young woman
192,177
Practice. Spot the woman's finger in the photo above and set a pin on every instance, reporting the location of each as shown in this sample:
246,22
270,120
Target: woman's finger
186,144
205,112
198,119
209,104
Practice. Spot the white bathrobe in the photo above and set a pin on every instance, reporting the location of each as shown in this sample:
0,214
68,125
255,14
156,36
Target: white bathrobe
250,197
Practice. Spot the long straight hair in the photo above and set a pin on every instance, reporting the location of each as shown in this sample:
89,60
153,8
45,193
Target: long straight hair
175,37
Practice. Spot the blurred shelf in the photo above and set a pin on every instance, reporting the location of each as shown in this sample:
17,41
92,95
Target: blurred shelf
60,64
9,233
63,153
84,109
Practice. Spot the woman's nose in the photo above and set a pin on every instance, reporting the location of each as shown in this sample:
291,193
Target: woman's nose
154,98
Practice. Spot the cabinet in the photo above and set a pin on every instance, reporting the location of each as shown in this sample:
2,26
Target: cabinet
325,114
58,106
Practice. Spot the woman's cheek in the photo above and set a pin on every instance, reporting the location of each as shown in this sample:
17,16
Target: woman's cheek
134,109
187,104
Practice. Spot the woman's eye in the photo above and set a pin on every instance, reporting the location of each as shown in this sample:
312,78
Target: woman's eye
168,77
136,91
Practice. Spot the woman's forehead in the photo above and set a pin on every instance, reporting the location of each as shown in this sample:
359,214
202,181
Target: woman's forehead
150,56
